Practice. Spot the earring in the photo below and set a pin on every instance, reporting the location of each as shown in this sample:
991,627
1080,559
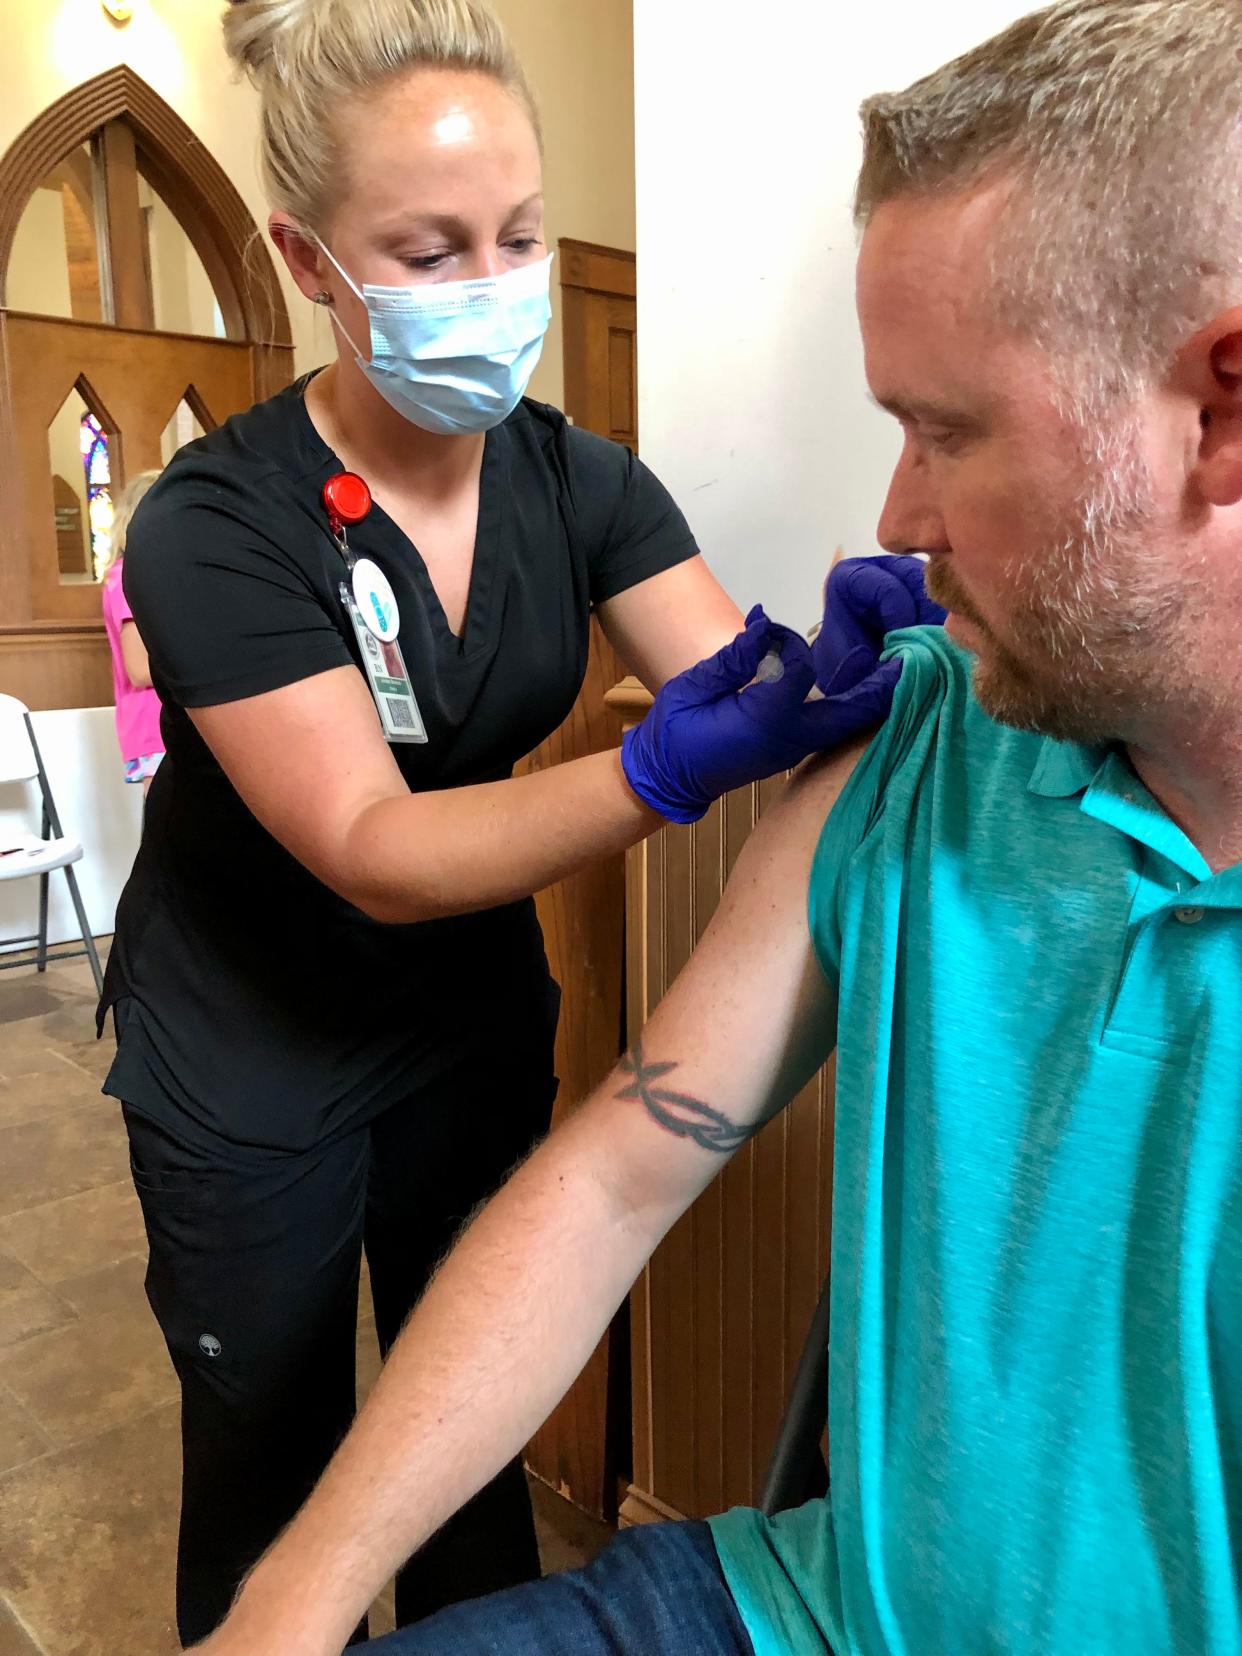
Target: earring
323,297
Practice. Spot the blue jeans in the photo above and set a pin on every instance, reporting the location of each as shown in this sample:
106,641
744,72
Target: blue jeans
655,1591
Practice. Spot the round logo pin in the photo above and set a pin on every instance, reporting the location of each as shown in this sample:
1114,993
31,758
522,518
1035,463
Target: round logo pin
376,601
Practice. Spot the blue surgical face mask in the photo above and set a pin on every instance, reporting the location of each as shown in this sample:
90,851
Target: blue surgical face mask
455,357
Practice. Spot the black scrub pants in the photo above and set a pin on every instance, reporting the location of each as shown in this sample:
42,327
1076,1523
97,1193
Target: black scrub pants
253,1278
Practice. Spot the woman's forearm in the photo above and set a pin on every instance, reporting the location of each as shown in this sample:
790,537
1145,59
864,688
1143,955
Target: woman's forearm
134,657
423,856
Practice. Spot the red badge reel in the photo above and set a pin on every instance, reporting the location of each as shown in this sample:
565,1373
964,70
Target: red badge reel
347,500
371,606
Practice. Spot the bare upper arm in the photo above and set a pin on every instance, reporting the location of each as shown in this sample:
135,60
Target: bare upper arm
745,1026
134,657
669,622
307,759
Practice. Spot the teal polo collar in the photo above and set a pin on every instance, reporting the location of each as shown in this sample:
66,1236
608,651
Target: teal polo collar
1112,792
1064,769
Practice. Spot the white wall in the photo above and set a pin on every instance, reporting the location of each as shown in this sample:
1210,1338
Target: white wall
97,807
38,277
578,55
752,394
184,300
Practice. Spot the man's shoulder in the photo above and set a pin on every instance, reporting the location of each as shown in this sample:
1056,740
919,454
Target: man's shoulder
935,771
938,739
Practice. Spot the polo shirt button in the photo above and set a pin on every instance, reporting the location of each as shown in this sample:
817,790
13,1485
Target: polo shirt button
1188,916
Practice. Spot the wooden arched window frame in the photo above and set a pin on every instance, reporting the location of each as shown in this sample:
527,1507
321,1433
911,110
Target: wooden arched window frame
179,166
52,647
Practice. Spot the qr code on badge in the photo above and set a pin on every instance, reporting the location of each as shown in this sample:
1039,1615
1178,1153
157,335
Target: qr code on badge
400,714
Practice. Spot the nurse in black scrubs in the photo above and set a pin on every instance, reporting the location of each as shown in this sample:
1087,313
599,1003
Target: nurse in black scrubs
334,1012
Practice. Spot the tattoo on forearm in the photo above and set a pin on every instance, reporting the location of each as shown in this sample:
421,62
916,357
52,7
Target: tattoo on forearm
677,1112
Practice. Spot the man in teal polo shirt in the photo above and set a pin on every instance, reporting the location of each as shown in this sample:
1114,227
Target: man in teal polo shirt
1023,939
1036,1367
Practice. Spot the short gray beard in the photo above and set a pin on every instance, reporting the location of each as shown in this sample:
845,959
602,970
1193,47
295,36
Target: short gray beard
1095,636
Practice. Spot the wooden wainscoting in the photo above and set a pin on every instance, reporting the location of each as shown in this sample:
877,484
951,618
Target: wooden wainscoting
719,1317
56,664
581,1448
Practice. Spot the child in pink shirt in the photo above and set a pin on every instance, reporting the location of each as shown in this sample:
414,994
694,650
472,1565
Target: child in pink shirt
137,705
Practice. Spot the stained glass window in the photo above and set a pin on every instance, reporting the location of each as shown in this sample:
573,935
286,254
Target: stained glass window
96,464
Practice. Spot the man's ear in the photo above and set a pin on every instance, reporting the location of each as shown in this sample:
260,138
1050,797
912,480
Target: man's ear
1210,371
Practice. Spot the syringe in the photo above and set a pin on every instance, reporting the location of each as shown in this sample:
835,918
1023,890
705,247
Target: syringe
771,670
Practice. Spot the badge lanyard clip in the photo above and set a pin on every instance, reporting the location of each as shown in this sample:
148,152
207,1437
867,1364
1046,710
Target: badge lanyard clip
372,609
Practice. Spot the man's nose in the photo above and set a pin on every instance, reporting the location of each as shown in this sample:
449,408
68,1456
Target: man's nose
911,520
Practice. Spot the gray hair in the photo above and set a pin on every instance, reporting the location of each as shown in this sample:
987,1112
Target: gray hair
1113,127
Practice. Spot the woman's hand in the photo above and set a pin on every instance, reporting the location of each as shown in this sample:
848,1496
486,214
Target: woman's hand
714,728
865,599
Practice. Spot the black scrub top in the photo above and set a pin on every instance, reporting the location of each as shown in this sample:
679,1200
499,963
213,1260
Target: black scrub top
252,1002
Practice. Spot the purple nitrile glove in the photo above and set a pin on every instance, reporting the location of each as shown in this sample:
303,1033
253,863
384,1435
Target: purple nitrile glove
864,600
712,729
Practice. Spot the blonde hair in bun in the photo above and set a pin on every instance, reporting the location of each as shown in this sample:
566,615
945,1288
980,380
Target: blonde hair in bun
306,56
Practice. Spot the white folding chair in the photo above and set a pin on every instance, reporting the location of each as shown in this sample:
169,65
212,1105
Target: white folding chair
23,856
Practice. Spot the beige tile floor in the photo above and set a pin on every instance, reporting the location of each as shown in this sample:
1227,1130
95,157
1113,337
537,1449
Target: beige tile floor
89,1456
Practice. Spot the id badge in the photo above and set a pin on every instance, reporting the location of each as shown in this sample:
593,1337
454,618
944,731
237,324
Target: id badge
391,689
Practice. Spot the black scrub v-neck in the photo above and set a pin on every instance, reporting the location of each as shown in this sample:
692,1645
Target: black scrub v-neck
258,1003
391,541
